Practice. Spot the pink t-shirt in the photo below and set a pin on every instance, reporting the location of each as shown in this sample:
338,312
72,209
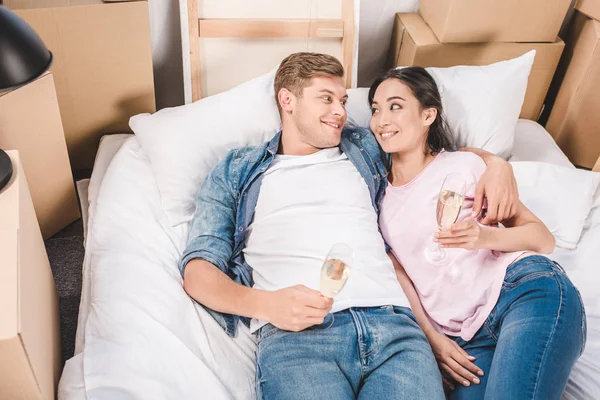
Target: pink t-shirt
459,294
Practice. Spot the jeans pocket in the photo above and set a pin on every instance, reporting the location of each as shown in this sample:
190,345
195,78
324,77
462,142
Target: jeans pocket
527,269
326,324
405,312
266,331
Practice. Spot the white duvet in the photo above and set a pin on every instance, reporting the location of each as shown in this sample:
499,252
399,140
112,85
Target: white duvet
141,337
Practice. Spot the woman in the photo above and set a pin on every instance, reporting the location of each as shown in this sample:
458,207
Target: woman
502,320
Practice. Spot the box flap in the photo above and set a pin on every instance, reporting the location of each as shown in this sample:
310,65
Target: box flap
484,21
420,32
591,8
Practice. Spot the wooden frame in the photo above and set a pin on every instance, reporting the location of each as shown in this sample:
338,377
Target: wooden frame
597,166
284,28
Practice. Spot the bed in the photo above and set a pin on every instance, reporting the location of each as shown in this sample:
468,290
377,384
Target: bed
136,323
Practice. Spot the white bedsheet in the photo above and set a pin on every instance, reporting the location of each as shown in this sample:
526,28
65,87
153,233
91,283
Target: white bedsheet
143,336
582,266
139,334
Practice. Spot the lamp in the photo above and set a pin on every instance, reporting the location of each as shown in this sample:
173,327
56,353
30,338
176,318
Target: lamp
23,58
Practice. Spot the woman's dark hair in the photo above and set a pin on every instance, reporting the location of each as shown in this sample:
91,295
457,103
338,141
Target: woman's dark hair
424,88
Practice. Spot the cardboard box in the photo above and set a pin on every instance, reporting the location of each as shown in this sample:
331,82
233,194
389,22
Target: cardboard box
30,356
575,117
414,43
102,66
591,8
30,122
478,21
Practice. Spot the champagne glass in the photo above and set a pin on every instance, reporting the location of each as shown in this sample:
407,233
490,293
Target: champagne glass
336,269
450,201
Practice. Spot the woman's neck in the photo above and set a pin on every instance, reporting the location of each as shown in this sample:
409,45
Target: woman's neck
407,165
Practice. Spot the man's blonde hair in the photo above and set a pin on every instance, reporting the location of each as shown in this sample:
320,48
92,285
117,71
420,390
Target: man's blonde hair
296,71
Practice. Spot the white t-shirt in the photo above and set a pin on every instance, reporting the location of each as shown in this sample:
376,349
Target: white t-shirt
306,204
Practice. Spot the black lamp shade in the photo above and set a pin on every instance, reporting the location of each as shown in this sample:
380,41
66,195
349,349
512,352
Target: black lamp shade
23,55
23,58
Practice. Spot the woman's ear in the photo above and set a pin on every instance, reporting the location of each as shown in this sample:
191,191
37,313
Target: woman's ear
429,115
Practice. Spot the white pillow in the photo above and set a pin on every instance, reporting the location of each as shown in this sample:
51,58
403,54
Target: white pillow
482,103
184,143
561,197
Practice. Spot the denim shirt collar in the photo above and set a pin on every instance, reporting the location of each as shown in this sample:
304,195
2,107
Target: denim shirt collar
273,145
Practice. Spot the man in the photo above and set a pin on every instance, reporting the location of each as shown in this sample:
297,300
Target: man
265,219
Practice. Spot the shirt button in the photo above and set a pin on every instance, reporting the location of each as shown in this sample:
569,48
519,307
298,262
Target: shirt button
241,229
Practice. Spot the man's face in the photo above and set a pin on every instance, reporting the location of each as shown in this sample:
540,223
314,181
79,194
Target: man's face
320,113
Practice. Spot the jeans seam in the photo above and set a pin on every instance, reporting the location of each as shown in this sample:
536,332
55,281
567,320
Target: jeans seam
551,336
258,381
490,332
583,322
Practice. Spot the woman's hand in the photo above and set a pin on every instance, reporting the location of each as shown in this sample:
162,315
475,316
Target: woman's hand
467,234
453,361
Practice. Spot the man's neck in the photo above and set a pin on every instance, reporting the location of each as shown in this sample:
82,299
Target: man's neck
292,145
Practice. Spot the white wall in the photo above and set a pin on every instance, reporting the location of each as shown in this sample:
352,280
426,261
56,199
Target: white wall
375,29
376,23
166,52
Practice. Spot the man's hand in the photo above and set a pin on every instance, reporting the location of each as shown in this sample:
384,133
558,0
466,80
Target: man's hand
296,308
499,187
453,361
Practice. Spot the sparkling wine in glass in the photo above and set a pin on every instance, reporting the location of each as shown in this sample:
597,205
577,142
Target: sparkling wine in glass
336,269
450,202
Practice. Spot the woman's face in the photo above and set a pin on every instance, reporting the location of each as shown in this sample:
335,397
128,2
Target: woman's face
398,122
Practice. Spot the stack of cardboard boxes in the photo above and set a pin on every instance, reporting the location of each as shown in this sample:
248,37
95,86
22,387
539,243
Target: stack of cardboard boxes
574,120
446,33
101,75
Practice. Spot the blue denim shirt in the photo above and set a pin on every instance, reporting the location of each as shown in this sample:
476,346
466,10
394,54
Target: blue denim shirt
227,198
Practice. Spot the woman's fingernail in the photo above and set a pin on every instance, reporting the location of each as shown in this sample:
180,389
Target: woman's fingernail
466,383
476,380
480,373
472,358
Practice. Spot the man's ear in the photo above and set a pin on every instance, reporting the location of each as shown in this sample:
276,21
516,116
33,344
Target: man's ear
430,115
286,100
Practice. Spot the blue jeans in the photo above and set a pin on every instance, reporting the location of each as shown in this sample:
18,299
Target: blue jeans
364,353
531,339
